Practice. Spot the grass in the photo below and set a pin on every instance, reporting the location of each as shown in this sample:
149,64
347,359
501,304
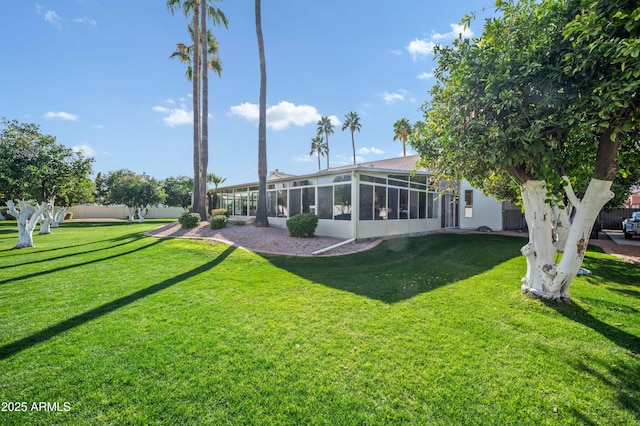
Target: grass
128,329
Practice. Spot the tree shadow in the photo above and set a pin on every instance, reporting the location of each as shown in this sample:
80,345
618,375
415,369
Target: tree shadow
48,333
65,267
130,237
402,268
576,313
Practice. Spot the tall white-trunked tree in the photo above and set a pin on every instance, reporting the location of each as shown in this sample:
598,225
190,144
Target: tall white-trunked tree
547,98
33,169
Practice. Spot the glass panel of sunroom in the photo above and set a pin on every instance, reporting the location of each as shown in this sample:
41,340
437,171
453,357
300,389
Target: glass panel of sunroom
366,202
342,201
325,202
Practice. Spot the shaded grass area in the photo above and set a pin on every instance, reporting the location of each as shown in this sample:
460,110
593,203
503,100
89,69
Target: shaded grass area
429,330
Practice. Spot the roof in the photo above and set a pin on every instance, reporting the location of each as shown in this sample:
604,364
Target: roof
390,165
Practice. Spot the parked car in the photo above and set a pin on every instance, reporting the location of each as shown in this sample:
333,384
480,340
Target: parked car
631,226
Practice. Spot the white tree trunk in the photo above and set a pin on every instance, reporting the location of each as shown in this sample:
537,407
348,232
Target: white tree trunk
142,212
46,218
59,215
27,217
550,233
132,213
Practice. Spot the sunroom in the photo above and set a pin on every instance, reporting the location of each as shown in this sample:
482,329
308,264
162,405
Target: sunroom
369,200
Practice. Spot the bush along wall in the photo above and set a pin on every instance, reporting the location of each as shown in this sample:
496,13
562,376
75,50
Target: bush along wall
302,225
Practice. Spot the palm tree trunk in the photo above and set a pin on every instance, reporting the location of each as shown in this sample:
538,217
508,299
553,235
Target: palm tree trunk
261,212
197,195
318,160
353,147
204,151
327,136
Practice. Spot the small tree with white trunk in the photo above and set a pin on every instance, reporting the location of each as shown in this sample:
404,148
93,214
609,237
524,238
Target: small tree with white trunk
33,169
547,99
137,192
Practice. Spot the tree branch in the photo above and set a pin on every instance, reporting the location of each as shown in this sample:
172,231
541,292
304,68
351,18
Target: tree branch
573,198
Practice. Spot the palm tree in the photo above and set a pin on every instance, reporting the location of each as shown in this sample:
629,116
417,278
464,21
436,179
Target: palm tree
401,130
184,54
352,122
325,126
212,195
261,212
200,9
318,146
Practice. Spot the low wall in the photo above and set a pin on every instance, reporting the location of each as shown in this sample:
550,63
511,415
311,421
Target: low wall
122,212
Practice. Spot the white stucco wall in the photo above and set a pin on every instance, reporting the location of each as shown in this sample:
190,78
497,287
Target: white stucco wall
486,211
122,212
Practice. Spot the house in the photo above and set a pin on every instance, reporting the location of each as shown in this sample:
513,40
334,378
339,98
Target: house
633,202
369,200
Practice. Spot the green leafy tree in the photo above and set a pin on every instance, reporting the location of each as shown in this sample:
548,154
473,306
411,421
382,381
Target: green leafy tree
547,98
319,147
34,169
352,122
261,211
401,131
178,190
325,126
135,191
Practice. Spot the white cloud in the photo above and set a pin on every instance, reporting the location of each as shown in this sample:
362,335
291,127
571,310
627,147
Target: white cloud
335,120
50,16
305,158
98,126
372,150
85,20
457,30
395,52
170,101
61,115
392,97
425,75
281,116
419,48
84,149
175,116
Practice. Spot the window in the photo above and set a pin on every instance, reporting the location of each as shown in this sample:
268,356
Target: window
422,205
271,204
366,202
404,204
432,205
309,200
325,202
413,204
392,208
342,202
381,203
295,198
282,203
468,203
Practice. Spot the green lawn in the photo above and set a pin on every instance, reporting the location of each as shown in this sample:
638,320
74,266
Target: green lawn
127,329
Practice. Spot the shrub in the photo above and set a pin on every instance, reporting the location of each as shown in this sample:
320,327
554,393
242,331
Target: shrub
302,225
219,212
239,223
189,220
68,216
218,222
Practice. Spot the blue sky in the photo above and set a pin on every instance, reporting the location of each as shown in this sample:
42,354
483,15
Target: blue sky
96,74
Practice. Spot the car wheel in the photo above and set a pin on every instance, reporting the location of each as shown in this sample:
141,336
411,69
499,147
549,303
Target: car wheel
627,236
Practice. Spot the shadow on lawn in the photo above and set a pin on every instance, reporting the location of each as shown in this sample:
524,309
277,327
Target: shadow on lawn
75,265
48,333
131,237
402,268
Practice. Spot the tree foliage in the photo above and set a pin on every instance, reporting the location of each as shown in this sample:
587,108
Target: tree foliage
178,191
126,187
34,167
546,99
